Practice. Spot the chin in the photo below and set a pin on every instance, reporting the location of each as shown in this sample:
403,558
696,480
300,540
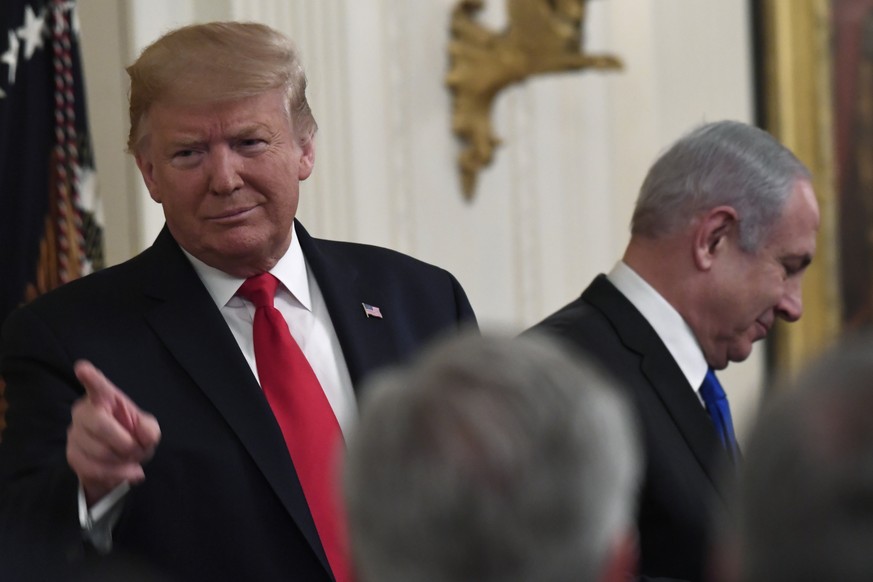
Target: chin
741,354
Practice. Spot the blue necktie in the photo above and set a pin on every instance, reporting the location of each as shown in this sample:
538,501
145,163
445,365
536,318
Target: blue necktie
720,411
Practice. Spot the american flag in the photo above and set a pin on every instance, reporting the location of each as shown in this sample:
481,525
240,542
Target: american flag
50,231
50,221
372,311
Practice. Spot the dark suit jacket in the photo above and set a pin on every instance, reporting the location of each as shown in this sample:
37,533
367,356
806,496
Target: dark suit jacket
683,487
221,500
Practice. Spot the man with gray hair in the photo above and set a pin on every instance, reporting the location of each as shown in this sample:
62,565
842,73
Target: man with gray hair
806,499
493,459
724,228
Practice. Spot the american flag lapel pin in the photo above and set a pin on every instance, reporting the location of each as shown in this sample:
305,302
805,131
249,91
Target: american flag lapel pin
371,311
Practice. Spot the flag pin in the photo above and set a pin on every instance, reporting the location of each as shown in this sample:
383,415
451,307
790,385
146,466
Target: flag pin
371,310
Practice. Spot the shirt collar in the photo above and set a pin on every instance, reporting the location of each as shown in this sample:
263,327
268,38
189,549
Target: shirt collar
290,270
667,322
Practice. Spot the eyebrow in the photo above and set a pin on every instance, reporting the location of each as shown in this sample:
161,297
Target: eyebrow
185,142
244,131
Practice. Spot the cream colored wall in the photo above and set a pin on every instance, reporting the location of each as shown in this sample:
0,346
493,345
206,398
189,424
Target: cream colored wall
550,213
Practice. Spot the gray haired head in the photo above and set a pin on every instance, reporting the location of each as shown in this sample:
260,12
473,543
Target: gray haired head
491,459
722,163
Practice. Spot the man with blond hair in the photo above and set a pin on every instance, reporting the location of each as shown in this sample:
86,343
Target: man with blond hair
184,408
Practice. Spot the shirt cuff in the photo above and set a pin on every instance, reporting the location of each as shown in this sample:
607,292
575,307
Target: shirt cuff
98,521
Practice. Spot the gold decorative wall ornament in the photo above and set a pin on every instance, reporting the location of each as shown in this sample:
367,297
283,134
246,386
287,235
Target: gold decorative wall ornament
542,36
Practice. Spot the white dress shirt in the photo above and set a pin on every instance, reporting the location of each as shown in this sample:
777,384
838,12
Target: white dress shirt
668,324
301,303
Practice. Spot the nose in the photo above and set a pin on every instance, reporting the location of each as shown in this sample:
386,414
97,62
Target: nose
224,171
790,307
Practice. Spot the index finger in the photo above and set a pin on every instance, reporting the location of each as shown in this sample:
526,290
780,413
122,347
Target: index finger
103,393
97,386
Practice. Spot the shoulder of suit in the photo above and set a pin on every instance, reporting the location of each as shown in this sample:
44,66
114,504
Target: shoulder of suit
373,256
104,286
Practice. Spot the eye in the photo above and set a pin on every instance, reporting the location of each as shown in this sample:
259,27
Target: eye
251,145
795,268
184,158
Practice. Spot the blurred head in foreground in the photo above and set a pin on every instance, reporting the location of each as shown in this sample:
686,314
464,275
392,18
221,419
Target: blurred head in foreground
806,502
493,459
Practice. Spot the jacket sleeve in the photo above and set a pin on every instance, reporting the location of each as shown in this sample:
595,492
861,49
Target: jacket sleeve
39,523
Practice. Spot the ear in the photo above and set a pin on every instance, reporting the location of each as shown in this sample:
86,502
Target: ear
307,158
713,231
147,169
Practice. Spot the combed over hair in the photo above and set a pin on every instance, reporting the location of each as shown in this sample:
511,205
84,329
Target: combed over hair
217,61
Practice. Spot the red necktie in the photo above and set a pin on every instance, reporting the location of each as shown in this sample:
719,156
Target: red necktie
308,424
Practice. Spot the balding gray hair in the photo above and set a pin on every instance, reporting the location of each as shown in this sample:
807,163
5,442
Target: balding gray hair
491,459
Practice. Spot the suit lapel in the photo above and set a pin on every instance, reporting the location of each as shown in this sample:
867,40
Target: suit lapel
188,323
664,375
345,287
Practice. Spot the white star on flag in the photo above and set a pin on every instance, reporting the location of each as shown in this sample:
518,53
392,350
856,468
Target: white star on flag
10,57
32,31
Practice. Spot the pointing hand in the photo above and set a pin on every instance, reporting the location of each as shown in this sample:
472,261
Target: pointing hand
109,437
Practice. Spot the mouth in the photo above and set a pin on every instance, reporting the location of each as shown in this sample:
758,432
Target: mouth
232,215
763,328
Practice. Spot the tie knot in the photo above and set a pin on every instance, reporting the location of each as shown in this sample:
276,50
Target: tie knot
259,289
711,389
